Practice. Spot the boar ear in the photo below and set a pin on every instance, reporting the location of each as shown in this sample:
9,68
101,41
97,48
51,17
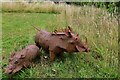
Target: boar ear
22,56
69,33
77,36
10,59
70,28
12,54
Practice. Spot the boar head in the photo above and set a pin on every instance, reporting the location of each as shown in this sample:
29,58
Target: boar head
74,44
16,63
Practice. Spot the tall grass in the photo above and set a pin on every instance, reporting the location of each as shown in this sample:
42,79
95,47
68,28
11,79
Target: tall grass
31,7
98,25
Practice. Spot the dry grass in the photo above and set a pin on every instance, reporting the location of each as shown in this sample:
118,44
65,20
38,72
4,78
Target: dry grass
33,7
99,26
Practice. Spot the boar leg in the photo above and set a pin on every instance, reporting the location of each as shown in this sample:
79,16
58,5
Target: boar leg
52,56
27,64
60,55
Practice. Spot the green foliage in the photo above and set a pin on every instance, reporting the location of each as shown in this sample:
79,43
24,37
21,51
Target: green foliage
112,7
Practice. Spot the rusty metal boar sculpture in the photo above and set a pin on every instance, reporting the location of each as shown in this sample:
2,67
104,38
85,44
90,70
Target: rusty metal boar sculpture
23,58
59,42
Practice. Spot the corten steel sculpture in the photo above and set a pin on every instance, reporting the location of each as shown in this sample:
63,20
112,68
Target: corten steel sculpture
59,42
22,58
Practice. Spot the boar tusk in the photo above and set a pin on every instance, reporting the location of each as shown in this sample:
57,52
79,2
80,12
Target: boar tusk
79,48
77,35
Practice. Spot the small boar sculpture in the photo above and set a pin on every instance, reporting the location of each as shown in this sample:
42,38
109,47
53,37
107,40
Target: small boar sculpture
23,58
59,42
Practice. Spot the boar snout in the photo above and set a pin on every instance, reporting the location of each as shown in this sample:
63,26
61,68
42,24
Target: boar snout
9,69
82,47
12,69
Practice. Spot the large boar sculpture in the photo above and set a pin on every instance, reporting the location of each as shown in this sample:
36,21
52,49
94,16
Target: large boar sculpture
59,42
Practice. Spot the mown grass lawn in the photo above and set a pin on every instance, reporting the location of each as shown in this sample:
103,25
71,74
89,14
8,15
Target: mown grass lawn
17,32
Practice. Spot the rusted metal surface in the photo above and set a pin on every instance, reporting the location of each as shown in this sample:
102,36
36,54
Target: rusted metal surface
21,59
60,41
55,43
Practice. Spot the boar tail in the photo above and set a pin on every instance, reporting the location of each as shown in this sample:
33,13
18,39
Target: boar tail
36,28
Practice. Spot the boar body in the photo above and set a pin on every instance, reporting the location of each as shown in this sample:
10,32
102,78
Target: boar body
48,41
23,58
59,42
